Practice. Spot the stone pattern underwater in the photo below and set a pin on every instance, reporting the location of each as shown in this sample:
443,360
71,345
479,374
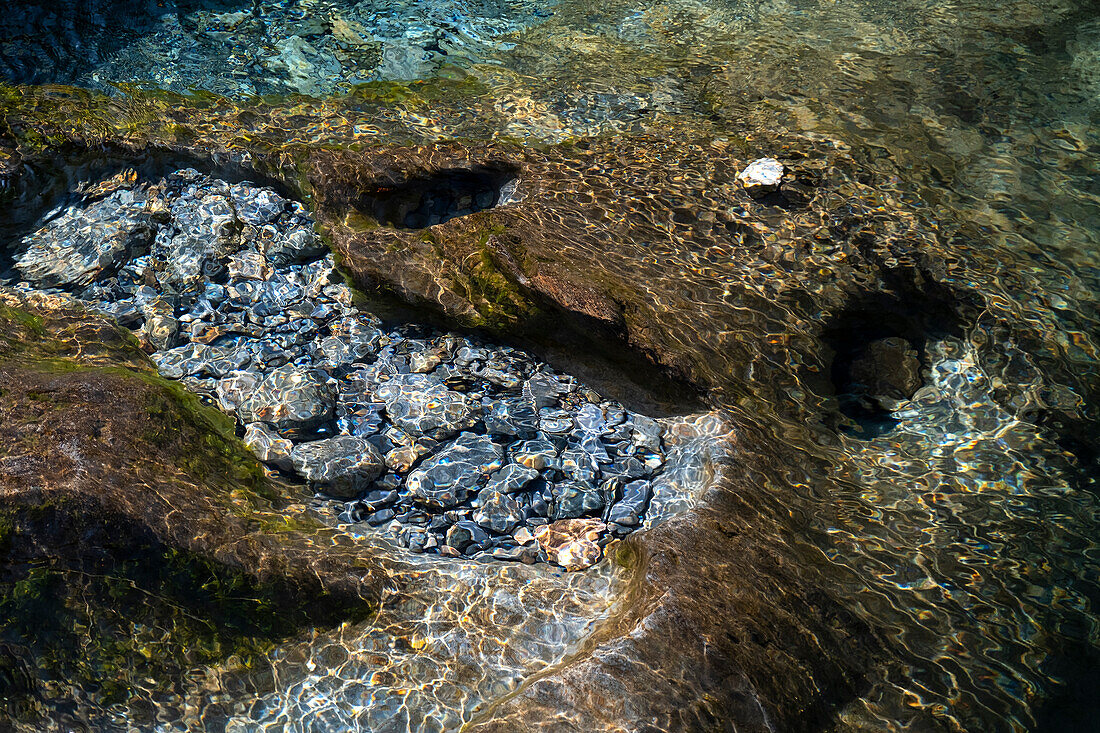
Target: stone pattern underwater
454,447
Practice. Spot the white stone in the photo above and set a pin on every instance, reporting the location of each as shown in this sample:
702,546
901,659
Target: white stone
762,175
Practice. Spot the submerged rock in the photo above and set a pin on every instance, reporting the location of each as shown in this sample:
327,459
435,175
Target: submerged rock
83,244
448,477
343,466
513,477
887,371
268,446
421,405
761,176
291,397
571,543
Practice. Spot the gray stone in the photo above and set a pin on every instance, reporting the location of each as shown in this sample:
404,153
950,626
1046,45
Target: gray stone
204,239
627,467
537,454
181,361
161,332
628,511
248,265
545,390
509,417
500,376
420,404
447,478
465,535
513,477
83,244
555,421
646,432
498,512
291,397
268,446
343,466
256,206
517,553
575,499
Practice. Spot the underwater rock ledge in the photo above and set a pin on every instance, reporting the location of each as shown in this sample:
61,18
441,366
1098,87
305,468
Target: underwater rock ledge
108,470
729,625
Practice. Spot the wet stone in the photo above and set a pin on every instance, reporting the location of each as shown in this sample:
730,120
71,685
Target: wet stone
81,245
761,176
627,467
516,553
629,510
513,477
575,499
555,421
343,466
402,458
572,543
509,417
161,332
420,404
545,390
536,454
268,446
256,206
886,371
465,535
499,512
249,265
447,478
290,397
380,517
646,432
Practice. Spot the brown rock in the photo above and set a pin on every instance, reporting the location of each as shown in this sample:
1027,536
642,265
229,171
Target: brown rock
887,370
109,471
571,543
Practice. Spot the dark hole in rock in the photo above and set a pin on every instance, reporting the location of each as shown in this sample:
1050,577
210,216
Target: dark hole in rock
878,345
422,201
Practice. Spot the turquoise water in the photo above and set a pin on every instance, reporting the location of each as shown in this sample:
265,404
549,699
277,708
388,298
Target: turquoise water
971,528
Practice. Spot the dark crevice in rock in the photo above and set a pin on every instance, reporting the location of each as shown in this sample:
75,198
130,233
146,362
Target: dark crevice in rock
878,348
424,200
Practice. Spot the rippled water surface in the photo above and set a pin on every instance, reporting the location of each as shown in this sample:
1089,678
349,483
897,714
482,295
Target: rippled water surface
969,520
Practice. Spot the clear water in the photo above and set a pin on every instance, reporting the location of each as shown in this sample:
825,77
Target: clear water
970,530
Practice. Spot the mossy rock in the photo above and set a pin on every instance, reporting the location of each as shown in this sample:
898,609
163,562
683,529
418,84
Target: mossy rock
142,539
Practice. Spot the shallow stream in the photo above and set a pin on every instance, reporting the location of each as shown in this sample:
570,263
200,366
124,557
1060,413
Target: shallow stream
963,514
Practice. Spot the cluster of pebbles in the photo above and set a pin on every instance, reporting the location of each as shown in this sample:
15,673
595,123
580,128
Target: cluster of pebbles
452,446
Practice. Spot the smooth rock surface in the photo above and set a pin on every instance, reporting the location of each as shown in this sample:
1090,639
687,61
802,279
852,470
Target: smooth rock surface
343,466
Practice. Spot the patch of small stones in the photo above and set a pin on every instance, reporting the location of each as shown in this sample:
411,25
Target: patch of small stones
452,446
